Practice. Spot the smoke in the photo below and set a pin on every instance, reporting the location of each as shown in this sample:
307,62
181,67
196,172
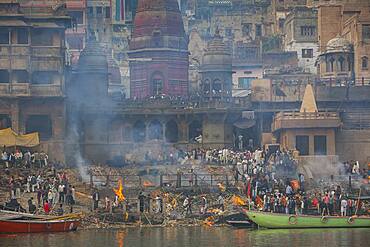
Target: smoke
74,149
323,166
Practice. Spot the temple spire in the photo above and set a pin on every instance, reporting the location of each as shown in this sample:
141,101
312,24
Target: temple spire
309,101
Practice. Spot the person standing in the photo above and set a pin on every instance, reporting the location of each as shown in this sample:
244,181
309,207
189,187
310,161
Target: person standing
203,205
61,193
343,207
96,198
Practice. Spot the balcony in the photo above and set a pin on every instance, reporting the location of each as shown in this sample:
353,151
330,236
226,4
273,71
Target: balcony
29,90
300,120
46,51
46,90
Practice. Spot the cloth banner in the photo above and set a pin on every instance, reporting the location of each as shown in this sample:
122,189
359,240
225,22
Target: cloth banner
9,138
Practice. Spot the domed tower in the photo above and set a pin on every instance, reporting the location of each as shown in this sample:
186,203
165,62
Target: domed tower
216,70
158,50
337,61
89,84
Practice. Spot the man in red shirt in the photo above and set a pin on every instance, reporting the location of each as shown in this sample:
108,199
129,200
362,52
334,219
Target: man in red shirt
46,207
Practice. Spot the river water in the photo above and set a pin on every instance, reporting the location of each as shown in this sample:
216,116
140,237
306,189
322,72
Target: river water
193,237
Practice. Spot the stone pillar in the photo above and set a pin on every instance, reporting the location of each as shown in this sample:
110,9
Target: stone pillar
14,115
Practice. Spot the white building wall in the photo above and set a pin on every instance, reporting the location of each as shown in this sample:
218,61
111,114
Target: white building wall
307,63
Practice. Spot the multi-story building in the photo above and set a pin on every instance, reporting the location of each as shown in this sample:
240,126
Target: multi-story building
76,35
99,16
300,35
280,9
344,29
123,13
32,71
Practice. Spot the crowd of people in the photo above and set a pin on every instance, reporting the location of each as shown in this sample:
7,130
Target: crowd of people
47,189
19,158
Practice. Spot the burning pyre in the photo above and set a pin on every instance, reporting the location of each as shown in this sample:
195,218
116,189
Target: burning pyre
119,191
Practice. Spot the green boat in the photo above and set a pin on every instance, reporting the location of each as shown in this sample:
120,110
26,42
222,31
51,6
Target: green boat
282,221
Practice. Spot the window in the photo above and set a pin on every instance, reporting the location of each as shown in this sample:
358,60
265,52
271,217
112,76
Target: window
77,16
20,76
246,29
206,86
42,37
22,36
308,30
4,36
5,121
341,64
4,76
216,87
281,23
245,82
307,53
302,145
258,30
228,32
320,145
366,32
43,77
41,124
107,12
90,11
364,62
330,64
99,11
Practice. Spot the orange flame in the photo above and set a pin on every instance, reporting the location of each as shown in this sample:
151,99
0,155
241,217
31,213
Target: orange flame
147,183
238,201
118,191
209,221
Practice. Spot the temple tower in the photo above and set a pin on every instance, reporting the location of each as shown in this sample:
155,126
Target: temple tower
158,51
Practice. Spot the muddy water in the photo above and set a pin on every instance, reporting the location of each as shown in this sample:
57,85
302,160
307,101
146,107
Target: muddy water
193,237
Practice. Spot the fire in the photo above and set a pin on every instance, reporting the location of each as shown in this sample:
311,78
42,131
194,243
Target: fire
119,191
238,201
221,187
147,183
209,221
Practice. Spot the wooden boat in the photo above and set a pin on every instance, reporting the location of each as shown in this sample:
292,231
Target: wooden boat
240,223
273,220
11,222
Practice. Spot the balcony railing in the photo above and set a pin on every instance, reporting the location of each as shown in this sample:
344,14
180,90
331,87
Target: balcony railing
26,89
306,115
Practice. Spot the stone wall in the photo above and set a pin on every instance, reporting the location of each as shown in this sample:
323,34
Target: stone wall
353,145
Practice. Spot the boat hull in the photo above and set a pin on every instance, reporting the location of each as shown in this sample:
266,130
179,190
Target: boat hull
283,221
32,226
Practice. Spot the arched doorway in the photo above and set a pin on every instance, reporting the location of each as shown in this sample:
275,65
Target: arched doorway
172,132
157,82
138,133
155,130
195,130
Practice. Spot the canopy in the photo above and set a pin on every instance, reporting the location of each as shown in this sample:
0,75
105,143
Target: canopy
9,138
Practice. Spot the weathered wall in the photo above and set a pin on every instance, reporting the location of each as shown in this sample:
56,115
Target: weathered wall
288,139
353,145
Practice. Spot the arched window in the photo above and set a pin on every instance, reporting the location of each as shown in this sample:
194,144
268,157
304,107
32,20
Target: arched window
155,130
157,83
341,63
216,87
331,64
138,132
172,132
206,87
364,62
195,130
